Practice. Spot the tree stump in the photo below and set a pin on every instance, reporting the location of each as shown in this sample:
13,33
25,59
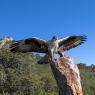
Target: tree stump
67,76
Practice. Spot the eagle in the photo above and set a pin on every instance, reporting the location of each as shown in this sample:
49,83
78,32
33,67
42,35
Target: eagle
51,47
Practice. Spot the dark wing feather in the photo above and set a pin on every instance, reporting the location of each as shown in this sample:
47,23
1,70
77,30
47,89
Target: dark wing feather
30,45
71,42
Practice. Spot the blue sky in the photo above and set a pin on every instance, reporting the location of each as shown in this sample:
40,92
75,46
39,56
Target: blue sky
44,18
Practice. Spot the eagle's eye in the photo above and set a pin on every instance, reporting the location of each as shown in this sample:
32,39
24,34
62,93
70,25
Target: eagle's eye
55,38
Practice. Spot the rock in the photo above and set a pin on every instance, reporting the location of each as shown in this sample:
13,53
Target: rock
67,76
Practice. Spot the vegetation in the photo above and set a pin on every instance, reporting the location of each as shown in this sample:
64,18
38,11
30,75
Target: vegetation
88,79
20,74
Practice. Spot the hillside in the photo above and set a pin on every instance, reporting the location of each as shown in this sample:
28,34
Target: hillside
20,74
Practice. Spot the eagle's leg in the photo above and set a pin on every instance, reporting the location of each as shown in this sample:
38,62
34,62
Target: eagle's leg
51,54
61,53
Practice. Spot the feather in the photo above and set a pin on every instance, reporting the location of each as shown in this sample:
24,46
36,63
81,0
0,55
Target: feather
71,42
30,45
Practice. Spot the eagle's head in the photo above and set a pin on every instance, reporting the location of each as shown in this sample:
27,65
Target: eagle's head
54,38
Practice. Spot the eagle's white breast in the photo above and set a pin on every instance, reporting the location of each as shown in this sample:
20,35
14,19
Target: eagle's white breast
53,45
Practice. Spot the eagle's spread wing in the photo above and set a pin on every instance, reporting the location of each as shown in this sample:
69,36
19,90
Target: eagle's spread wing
30,45
71,42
